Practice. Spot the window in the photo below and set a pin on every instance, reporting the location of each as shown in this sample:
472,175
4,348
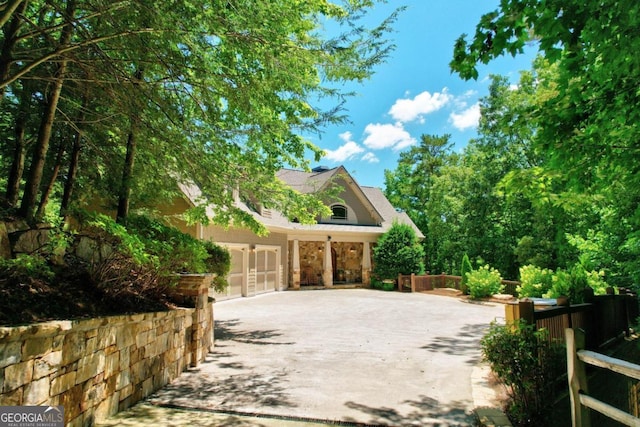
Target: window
339,212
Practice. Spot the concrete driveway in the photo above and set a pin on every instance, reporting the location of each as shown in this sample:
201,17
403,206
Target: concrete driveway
355,356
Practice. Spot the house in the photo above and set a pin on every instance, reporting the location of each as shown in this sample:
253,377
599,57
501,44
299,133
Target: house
336,251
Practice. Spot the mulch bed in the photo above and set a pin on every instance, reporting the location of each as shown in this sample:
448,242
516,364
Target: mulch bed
70,295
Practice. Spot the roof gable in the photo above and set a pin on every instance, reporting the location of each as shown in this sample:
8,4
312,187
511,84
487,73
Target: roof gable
320,179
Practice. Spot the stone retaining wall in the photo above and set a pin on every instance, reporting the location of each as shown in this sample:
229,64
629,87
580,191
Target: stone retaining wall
97,367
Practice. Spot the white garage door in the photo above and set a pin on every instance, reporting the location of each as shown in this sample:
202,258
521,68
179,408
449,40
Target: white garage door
268,269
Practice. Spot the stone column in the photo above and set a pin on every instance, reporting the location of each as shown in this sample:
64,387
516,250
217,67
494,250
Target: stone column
296,265
192,290
366,264
327,274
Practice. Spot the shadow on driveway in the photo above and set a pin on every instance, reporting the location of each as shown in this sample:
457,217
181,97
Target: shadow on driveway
426,412
236,383
227,330
465,343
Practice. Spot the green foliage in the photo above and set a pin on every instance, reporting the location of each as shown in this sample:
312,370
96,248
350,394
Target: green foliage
415,188
534,281
528,364
165,249
398,252
584,116
484,282
180,252
383,285
127,243
175,250
575,282
203,91
218,262
465,267
35,266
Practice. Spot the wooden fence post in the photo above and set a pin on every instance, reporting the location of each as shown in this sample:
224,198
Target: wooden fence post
577,377
526,312
413,282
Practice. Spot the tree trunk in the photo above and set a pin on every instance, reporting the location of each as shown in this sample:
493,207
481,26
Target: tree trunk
10,39
10,9
46,193
74,160
72,173
6,57
17,164
29,198
127,172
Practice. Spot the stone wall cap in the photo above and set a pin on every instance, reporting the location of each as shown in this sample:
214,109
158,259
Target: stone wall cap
195,274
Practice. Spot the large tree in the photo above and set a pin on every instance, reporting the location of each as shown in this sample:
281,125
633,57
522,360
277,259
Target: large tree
410,187
214,92
586,112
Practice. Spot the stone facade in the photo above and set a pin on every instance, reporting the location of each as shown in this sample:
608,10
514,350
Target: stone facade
97,367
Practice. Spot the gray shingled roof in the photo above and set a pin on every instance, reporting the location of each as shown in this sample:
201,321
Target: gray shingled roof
306,182
309,182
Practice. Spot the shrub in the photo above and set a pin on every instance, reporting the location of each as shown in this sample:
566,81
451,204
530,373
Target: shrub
382,285
155,245
484,282
117,235
465,267
176,251
398,252
35,266
388,286
575,282
219,263
528,364
534,281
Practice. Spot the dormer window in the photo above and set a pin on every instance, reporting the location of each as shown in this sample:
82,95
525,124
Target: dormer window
339,212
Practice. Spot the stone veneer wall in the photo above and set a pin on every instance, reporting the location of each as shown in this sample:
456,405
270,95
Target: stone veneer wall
97,367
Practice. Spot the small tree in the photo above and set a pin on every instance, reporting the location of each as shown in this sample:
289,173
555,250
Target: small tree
465,267
398,252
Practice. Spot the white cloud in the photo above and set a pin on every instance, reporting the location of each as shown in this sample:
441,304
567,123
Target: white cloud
370,158
380,136
346,151
408,110
468,118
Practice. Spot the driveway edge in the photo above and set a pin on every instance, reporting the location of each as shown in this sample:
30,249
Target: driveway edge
485,399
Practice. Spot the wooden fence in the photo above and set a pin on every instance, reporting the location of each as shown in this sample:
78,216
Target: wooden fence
604,318
577,359
421,283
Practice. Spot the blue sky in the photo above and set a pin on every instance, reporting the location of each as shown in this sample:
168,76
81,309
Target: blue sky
414,92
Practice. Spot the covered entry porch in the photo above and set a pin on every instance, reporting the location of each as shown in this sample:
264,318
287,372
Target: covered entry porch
328,263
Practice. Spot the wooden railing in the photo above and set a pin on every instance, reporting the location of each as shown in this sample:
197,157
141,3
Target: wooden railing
577,358
604,318
422,283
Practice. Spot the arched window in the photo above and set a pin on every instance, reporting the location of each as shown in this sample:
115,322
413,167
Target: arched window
339,212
